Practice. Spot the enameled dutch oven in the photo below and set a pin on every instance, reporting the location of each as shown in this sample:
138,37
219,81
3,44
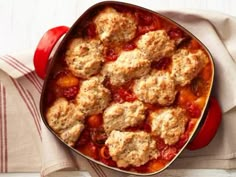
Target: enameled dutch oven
209,120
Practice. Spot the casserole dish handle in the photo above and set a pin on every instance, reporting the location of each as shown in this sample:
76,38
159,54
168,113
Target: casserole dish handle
209,127
44,49
203,136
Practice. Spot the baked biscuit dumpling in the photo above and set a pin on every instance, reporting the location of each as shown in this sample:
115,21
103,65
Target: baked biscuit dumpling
93,97
119,116
157,87
156,45
65,119
114,27
169,124
84,57
131,148
71,135
129,65
187,65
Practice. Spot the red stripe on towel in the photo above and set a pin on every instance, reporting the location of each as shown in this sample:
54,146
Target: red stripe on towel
95,169
5,129
101,170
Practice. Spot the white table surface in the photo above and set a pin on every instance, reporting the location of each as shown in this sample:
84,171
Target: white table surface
22,23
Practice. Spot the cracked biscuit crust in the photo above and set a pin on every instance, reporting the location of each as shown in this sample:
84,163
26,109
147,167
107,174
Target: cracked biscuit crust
114,27
131,148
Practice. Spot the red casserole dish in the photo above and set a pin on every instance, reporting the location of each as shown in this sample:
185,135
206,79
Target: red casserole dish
127,88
